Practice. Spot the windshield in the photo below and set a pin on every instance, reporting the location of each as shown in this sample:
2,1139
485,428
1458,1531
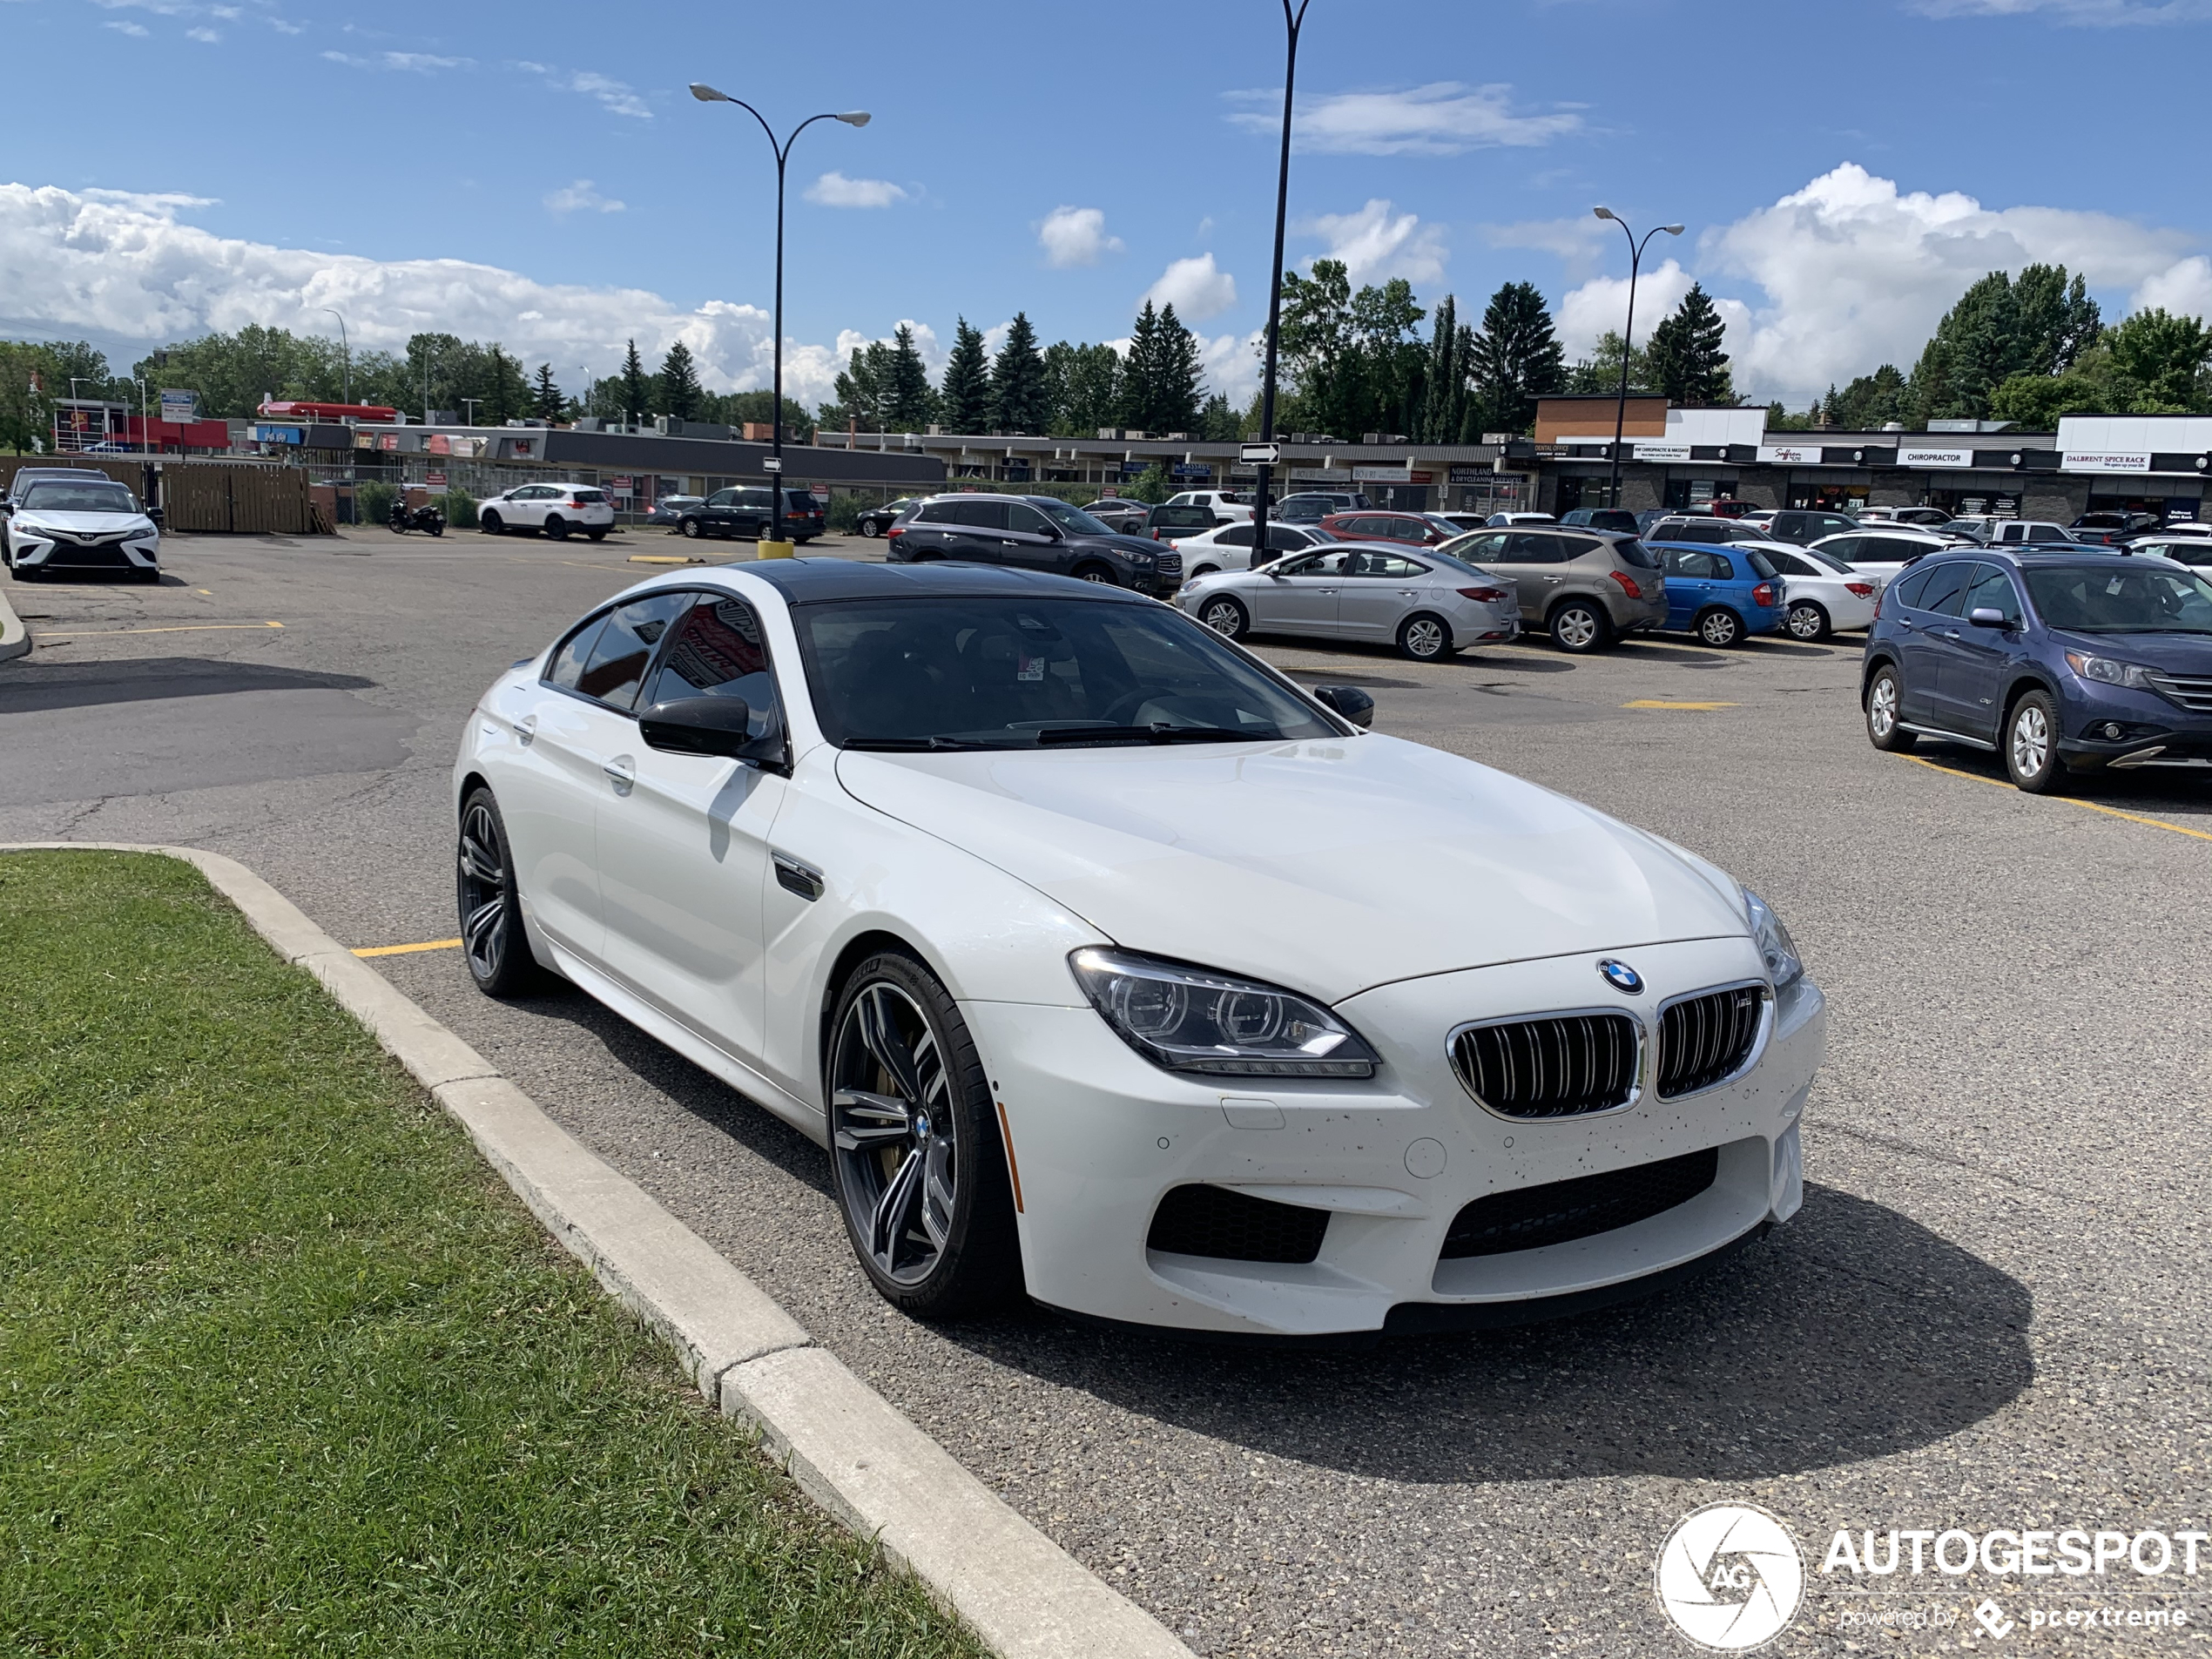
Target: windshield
983,672
1637,554
55,495
2099,599
1825,561
1072,518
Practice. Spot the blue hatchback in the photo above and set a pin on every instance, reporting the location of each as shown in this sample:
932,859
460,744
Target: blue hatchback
1722,594
2058,661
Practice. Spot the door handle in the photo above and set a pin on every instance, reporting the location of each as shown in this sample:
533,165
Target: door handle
1949,633
621,769
526,728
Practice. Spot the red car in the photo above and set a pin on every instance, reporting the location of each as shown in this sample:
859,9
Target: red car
1416,529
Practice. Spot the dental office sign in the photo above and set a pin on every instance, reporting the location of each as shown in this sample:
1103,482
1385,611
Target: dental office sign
1934,457
2104,461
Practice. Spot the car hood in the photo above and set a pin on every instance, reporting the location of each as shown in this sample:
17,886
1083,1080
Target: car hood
1330,866
84,523
2175,653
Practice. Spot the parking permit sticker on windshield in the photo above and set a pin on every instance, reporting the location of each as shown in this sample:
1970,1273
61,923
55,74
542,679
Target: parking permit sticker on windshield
2112,586
1032,669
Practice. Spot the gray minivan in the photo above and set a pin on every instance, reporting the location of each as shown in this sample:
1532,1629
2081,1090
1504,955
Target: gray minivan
1587,587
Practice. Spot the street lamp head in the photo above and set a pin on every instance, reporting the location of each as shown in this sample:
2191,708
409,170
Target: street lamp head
707,94
1602,213
1671,230
854,117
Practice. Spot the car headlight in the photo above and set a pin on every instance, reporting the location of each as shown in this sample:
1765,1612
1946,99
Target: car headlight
1193,1019
1783,966
2108,672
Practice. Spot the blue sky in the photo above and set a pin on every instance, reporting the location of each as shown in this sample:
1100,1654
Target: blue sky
1844,169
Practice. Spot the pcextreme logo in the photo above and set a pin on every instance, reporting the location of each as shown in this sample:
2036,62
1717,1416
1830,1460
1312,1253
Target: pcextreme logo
1730,1577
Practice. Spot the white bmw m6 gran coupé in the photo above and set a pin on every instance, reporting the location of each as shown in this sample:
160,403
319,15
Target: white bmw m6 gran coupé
1110,966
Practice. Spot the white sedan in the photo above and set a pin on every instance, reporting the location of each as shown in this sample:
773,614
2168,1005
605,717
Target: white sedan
1229,547
556,508
1108,964
1426,604
1821,594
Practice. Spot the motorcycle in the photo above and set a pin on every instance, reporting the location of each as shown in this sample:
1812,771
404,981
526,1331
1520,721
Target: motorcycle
405,518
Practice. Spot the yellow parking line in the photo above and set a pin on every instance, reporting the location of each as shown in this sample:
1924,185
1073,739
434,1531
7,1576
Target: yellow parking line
196,628
663,559
408,950
1653,703
2089,806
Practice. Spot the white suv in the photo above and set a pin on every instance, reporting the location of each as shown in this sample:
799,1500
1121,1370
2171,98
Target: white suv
1226,507
554,509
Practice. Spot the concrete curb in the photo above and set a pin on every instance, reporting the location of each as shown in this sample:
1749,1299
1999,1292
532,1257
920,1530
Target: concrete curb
847,1445
15,638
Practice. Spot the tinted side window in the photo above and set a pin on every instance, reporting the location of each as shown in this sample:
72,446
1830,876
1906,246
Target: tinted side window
567,666
755,497
1241,535
1488,548
981,513
625,645
1946,589
936,512
1020,516
1576,547
1789,565
1992,589
1908,588
1692,564
1636,554
1849,549
1525,546
716,651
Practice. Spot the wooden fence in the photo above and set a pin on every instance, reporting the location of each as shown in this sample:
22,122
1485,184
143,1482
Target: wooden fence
255,498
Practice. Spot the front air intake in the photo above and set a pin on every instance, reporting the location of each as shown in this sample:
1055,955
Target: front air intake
1235,1226
1559,1212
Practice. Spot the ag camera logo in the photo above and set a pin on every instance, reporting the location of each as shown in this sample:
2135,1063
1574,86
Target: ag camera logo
1730,1577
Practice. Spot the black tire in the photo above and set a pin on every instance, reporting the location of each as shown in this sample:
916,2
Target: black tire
151,578
869,527
438,528
557,527
1718,627
490,906
915,1157
1580,626
597,536
1807,622
1885,697
1425,637
1097,573
23,572
1226,616
2030,745
490,523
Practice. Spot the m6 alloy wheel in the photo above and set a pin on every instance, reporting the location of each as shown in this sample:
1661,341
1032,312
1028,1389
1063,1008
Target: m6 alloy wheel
1884,695
492,939
1225,617
1579,627
1425,638
1806,621
1720,627
915,1156
2031,744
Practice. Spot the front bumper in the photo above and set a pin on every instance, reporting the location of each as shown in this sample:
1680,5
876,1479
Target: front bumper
1100,1136
2152,730
40,552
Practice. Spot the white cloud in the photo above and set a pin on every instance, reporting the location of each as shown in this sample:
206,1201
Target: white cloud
122,265
581,197
208,37
1443,118
616,98
1602,303
1072,236
2184,288
1855,272
1231,363
835,190
2102,13
1374,247
1194,288
409,63
138,31
1579,244
934,356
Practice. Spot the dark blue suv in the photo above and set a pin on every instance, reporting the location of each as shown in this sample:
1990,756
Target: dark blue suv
2058,661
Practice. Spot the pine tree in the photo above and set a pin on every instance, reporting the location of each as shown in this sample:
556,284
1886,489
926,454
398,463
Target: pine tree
547,403
1444,389
680,384
1218,423
1017,383
1514,360
637,390
909,402
1687,357
967,397
1177,388
1141,373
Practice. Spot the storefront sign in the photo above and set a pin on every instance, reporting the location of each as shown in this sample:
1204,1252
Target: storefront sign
1191,470
364,440
1663,452
435,482
180,406
1780,455
1382,475
620,485
439,444
1471,475
279,435
2103,461
387,441
1934,457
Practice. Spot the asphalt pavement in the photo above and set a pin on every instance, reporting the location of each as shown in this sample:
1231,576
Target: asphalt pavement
1992,1312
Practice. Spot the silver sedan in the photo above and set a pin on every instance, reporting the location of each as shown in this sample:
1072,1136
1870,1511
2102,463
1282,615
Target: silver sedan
1427,604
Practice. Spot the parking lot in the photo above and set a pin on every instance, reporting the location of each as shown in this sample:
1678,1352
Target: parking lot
1992,1312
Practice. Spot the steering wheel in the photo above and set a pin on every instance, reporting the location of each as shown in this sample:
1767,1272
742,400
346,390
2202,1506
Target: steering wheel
1118,711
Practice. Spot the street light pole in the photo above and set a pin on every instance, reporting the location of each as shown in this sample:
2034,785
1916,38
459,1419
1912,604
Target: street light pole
1628,334
707,94
145,432
346,348
1292,22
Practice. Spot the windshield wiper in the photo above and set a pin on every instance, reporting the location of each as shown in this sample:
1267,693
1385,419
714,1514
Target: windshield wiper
917,746
1159,731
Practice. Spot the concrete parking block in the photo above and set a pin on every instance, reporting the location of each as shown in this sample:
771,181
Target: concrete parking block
15,638
859,1459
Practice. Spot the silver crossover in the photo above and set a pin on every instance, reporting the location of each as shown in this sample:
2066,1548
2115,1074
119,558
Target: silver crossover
1426,604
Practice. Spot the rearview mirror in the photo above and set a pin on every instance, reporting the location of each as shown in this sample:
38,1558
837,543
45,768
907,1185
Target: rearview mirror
1349,701
711,726
1986,616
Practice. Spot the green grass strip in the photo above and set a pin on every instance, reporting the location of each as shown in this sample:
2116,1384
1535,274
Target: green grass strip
285,1369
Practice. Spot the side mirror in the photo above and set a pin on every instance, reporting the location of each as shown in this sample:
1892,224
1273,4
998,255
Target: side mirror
710,725
1986,616
1349,701
159,515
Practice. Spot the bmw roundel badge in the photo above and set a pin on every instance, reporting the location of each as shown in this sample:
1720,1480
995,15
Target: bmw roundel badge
1622,977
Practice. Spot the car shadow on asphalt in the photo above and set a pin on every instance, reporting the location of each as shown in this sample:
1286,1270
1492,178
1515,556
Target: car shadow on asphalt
1854,1332
2147,789
38,687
